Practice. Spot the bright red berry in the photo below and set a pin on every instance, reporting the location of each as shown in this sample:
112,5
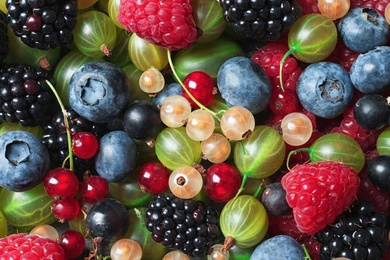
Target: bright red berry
153,177
72,242
93,189
168,24
201,86
222,182
61,182
65,209
31,247
318,192
84,145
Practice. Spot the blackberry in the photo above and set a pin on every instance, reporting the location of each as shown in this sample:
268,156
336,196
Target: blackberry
263,20
358,233
43,24
25,97
55,139
3,36
183,224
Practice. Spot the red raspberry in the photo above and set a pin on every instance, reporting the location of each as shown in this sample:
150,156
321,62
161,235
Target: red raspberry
309,6
168,24
378,5
24,246
343,56
318,192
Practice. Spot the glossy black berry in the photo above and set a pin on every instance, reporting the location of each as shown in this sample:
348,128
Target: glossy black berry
185,225
263,20
378,171
372,111
43,24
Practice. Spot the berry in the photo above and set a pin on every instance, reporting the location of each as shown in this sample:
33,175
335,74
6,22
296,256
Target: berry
93,189
43,24
325,89
72,242
24,161
65,209
261,20
108,219
372,111
378,171
98,91
378,5
201,86
170,24
61,182
84,145
183,224
116,167
242,82
360,24
24,246
153,177
358,233
274,199
319,192
3,36
25,97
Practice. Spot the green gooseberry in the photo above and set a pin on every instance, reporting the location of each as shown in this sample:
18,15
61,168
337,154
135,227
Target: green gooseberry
312,38
9,127
174,148
335,147
28,209
383,142
245,220
261,154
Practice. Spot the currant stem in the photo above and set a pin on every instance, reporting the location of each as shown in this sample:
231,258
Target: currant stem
281,66
68,134
215,115
257,192
294,152
307,256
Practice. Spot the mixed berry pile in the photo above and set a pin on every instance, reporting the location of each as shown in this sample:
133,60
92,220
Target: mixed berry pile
203,129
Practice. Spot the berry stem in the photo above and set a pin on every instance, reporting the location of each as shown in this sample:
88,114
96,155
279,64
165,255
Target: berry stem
294,152
215,115
257,192
68,134
281,66
307,256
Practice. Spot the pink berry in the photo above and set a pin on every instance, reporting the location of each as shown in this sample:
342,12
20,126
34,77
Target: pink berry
61,182
153,177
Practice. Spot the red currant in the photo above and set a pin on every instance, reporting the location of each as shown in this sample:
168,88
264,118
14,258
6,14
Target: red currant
61,182
222,182
65,209
284,102
72,242
93,189
153,177
201,86
85,145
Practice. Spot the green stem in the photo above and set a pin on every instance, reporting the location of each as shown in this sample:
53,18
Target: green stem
215,115
244,181
281,66
307,256
257,192
68,134
294,152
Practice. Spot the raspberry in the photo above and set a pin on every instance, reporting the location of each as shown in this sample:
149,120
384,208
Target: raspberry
24,246
378,5
168,24
343,56
309,6
318,192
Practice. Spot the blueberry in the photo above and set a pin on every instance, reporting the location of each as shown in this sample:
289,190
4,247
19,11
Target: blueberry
362,29
242,82
168,90
325,89
24,161
98,91
278,247
370,70
116,156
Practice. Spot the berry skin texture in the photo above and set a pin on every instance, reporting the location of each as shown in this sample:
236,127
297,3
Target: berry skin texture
319,192
24,246
24,161
61,182
168,24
